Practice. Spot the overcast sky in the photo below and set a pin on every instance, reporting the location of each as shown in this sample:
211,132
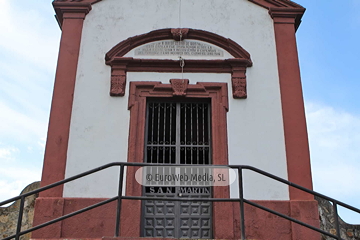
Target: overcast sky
328,43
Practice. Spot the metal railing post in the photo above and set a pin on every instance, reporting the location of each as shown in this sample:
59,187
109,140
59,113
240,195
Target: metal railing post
336,221
241,195
19,223
118,209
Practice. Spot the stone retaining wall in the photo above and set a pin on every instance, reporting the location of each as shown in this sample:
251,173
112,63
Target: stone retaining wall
9,215
327,222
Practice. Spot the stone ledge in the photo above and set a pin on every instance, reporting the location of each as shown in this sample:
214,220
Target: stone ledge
327,222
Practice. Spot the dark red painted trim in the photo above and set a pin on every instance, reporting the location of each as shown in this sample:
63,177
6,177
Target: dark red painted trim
76,9
139,92
286,7
95,223
263,3
276,3
120,65
289,16
61,107
163,34
296,138
166,65
100,222
77,1
47,209
131,238
263,225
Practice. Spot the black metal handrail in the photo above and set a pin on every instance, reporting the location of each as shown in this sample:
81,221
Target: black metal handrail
119,198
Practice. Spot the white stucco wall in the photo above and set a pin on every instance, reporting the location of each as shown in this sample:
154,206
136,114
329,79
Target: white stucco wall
99,124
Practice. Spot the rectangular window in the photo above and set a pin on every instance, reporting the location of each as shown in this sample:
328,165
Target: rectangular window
178,132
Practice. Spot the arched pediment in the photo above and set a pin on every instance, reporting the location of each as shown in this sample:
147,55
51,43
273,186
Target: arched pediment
165,34
239,59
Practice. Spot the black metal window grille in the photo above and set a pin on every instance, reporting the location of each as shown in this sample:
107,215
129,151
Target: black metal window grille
178,133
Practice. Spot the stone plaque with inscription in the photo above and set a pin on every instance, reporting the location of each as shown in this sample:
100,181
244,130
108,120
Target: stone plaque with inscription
179,48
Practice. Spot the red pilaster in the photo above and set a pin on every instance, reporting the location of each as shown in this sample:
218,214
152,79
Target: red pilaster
50,204
296,138
71,17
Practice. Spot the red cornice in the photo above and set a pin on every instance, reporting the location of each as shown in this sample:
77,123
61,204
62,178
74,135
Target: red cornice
76,1
199,90
268,4
276,3
166,65
284,9
71,9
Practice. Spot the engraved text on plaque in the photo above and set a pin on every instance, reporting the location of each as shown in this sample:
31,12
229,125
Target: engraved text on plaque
179,48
